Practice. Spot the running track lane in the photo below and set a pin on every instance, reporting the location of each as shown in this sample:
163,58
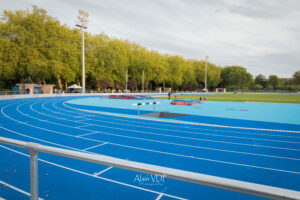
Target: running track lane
270,158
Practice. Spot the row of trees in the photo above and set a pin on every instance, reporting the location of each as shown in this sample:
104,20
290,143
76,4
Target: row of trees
36,47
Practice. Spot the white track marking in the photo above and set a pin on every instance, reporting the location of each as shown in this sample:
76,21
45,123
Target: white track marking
81,126
34,138
99,145
15,188
195,133
191,146
214,135
101,172
43,106
87,134
161,152
198,158
185,123
215,141
198,147
159,196
98,177
122,118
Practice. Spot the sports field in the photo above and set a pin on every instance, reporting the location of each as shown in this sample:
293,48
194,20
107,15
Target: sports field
269,156
269,98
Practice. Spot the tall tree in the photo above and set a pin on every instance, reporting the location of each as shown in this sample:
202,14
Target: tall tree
296,77
261,80
273,81
236,77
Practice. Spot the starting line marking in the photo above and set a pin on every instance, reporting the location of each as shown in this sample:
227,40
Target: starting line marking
101,172
99,145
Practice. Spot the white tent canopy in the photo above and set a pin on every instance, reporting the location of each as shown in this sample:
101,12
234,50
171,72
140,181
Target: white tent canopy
74,86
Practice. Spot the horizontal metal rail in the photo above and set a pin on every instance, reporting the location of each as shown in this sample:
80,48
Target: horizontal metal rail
202,179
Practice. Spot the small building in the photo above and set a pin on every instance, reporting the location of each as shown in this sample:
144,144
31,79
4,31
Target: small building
223,90
29,88
47,89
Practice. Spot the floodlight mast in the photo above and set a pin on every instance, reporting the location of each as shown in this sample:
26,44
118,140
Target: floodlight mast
206,58
82,24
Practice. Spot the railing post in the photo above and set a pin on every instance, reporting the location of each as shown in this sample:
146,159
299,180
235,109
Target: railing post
34,175
34,192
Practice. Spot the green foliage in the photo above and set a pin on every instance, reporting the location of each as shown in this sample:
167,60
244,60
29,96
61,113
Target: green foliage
257,87
35,46
273,81
261,80
296,77
236,77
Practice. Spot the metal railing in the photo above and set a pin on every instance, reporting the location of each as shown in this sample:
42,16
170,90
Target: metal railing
202,179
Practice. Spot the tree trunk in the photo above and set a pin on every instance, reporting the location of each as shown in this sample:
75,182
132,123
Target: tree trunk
59,83
66,85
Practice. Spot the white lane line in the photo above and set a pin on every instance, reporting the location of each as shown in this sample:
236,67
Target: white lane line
214,141
43,106
81,126
87,134
159,196
123,118
185,123
81,120
54,105
174,126
15,188
194,133
198,147
192,146
206,140
198,158
167,153
34,138
99,145
98,177
101,172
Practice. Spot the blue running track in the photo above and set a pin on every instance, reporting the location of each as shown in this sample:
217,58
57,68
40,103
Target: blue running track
257,156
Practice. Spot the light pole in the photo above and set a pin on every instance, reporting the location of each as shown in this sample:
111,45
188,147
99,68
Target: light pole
126,84
206,58
143,82
82,24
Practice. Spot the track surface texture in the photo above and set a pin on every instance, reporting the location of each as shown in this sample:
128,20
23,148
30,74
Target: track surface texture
257,156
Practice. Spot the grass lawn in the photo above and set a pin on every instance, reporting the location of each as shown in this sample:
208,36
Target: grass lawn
270,98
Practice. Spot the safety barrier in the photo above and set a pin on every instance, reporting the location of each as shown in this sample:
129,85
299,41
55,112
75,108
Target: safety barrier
202,179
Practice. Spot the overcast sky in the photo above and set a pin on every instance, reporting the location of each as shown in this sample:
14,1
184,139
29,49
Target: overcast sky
261,35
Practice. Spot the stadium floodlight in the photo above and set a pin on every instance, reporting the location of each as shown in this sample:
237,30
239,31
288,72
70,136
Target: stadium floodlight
206,58
126,84
82,24
143,79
